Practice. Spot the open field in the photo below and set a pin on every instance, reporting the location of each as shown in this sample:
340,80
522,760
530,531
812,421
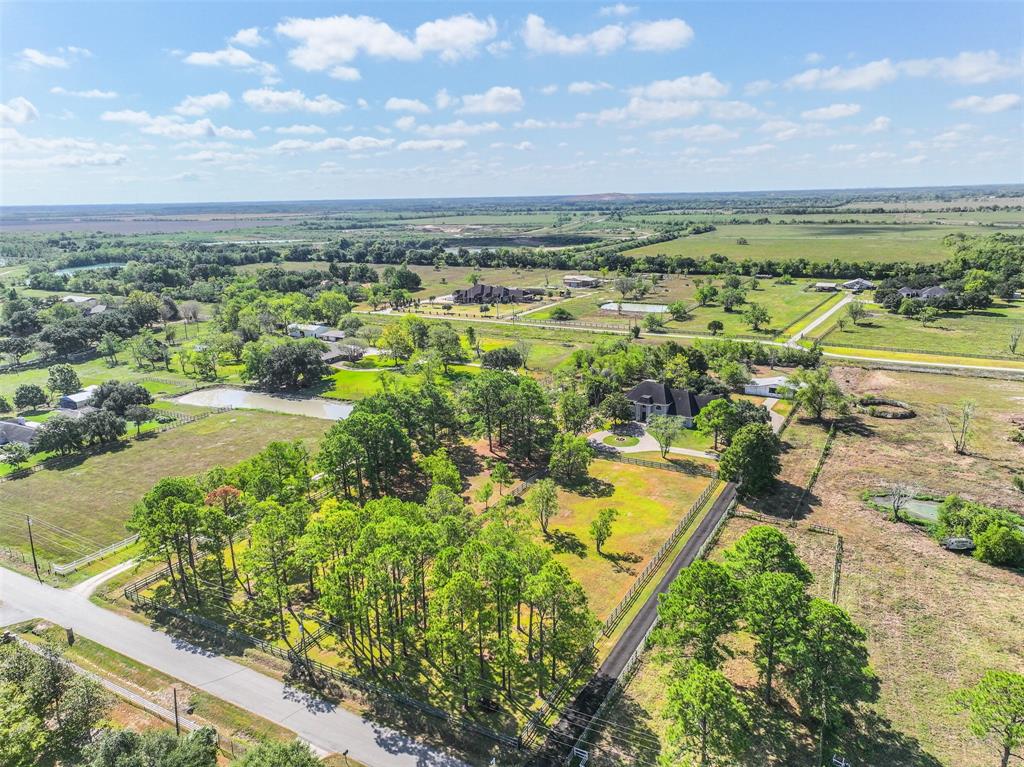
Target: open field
649,503
896,582
94,497
984,333
845,242
95,371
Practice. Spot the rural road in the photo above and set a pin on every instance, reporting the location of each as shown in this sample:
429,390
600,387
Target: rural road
645,444
325,726
795,339
585,705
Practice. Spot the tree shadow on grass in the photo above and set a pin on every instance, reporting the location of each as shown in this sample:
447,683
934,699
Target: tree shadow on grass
853,426
563,541
782,501
592,487
621,561
629,733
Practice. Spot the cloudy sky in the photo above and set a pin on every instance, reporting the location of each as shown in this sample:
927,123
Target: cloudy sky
152,102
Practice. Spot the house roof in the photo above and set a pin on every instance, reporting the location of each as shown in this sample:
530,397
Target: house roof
308,328
769,380
858,282
77,299
682,402
81,396
936,291
483,292
12,431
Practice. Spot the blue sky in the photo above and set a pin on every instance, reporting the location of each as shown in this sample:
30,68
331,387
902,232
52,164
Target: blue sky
153,102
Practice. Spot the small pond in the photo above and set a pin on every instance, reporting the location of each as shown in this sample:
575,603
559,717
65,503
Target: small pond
612,306
223,396
926,510
88,267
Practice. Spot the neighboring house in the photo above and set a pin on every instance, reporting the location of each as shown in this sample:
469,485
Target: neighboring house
925,294
76,401
492,294
859,284
300,330
94,310
333,336
19,432
769,386
77,299
580,281
653,398
826,287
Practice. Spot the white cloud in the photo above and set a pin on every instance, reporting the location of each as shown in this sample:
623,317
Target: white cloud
533,124
79,160
540,38
211,156
702,86
814,58
408,122
394,104
18,111
173,126
270,100
619,9
249,37
585,87
362,103
327,42
194,106
696,133
30,57
458,128
300,130
549,90
446,145
500,48
784,130
842,147
496,100
93,93
865,77
234,58
665,35
443,100
831,112
354,144
987,104
879,125
732,110
647,110
757,87
660,35
754,149
345,74
973,67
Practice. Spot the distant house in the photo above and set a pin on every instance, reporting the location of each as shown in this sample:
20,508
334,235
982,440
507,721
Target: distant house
300,330
18,432
580,281
859,284
333,336
825,287
769,386
76,401
492,294
96,309
76,299
925,294
653,398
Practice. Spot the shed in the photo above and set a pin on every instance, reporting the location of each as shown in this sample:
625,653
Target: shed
77,400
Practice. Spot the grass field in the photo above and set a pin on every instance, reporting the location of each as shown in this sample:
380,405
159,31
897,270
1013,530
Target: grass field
93,498
986,332
845,242
934,620
649,503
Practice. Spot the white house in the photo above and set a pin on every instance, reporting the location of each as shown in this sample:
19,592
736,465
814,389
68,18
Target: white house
580,281
859,284
77,400
826,286
77,299
769,386
300,330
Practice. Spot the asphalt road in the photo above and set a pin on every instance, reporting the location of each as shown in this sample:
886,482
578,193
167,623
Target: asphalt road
325,726
586,703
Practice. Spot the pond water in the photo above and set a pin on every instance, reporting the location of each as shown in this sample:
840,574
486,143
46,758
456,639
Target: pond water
223,396
88,267
926,510
612,306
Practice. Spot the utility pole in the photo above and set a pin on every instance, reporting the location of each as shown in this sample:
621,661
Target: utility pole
177,727
32,545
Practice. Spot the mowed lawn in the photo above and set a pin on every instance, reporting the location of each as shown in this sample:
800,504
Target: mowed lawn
97,371
816,242
94,497
987,331
650,502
